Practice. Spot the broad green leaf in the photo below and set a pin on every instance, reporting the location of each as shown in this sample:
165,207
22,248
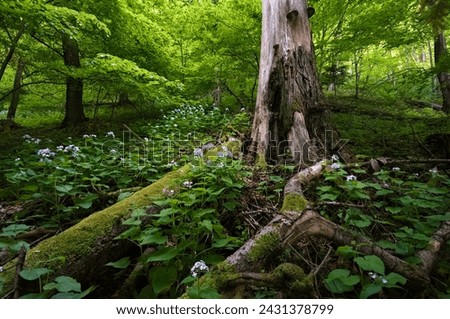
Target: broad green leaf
121,263
14,229
155,238
86,202
64,189
369,290
394,210
34,273
163,254
163,278
207,224
370,263
67,284
393,279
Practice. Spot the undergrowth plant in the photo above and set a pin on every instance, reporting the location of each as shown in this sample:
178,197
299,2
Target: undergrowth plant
185,226
399,209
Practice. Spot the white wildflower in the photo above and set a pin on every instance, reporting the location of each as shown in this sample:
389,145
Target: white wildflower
45,154
242,110
335,166
199,268
188,184
351,178
60,148
1,269
198,152
110,134
17,159
71,149
27,137
220,165
384,280
113,151
434,170
395,169
373,275
335,158
172,164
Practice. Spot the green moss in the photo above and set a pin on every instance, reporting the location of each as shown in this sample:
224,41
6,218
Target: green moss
294,203
260,162
264,247
77,241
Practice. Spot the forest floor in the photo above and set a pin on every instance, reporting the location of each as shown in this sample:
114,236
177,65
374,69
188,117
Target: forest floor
372,129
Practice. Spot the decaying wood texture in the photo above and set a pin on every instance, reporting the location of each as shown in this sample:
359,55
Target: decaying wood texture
289,118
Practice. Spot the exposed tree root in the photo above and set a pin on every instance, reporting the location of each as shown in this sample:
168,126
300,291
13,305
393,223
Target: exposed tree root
292,226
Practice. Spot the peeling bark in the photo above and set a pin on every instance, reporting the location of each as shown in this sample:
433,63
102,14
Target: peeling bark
288,115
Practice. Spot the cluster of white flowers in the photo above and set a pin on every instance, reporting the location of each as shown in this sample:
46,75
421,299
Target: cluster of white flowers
31,140
187,184
113,151
351,178
434,170
335,166
199,268
69,149
335,158
110,134
198,152
395,169
17,159
374,276
45,154
89,136
1,269
172,164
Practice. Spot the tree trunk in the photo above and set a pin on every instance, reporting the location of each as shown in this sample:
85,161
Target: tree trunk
124,99
11,50
289,118
16,90
74,110
440,50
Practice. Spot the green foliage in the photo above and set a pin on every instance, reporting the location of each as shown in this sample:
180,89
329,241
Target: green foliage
400,208
62,287
371,278
187,226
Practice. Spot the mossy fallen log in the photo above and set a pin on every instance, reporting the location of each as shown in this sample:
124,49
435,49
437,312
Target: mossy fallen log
83,250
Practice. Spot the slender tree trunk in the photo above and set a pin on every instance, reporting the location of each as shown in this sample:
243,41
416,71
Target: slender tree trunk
289,117
16,90
430,53
357,76
11,50
440,50
74,110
